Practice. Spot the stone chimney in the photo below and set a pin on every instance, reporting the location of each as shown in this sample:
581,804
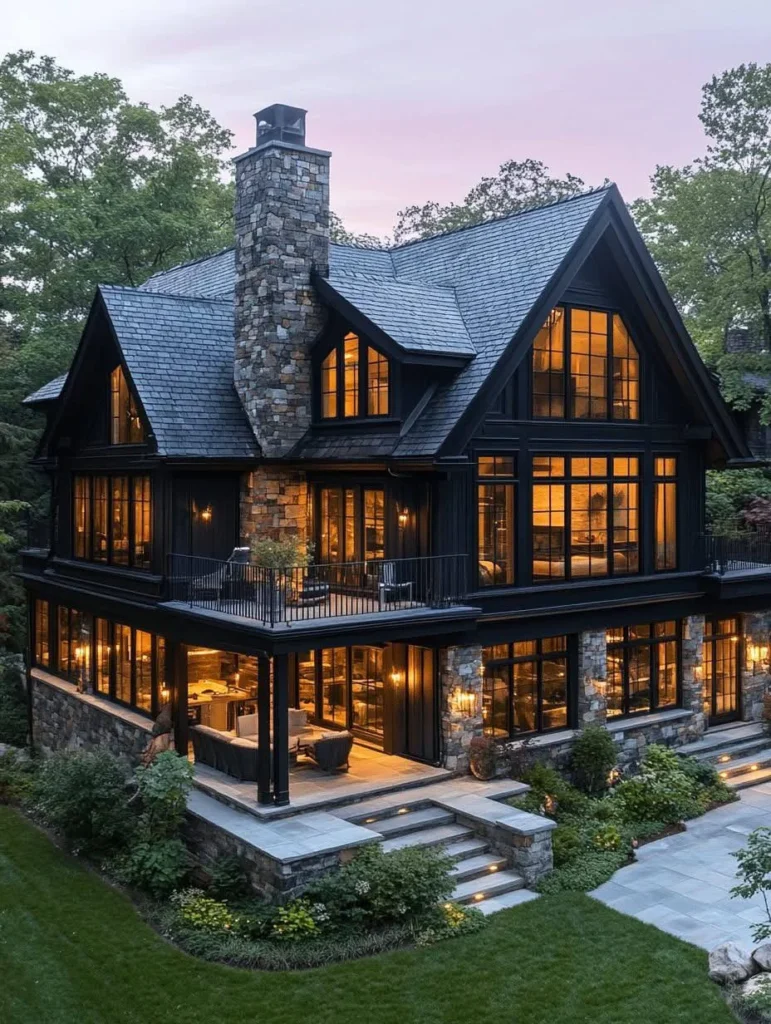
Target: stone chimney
282,235
741,339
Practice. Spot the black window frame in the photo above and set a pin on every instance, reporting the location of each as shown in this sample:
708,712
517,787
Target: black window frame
568,395
627,646
568,653
663,479
496,479
131,562
362,395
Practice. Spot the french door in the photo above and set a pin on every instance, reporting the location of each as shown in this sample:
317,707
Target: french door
722,643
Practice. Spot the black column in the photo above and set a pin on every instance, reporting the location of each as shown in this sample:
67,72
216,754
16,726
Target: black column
31,624
176,668
280,729
263,730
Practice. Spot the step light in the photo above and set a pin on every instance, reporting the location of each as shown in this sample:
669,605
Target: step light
478,896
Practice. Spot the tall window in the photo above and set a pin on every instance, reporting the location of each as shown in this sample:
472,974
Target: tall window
367,689
354,381
73,647
130,665
125,423
42,633
112,520
585,516
351,524
722,667
585,366
665,512
525,687
334,685
643,668
495,519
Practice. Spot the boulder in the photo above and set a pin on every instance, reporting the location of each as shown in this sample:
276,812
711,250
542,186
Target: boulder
729,964
762,957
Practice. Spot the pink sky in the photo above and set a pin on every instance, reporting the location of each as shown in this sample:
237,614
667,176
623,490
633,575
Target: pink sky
418,99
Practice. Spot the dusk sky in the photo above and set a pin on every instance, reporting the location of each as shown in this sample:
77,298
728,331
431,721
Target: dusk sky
417,100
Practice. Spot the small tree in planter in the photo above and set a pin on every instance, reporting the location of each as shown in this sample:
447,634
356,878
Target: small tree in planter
289,558
482,757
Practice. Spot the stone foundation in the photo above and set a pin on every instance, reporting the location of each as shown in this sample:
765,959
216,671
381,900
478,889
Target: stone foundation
64,719
755,678
460,672
592,676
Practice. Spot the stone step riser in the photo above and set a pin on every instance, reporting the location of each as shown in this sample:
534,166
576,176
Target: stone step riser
465,869
747,765
423,839
736,753
714,743
404,824
371,820
464,849
487,888
747,779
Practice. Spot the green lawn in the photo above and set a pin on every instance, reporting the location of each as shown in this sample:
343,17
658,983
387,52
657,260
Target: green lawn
74,950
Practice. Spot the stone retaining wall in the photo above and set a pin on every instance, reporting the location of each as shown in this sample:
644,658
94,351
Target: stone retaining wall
62,718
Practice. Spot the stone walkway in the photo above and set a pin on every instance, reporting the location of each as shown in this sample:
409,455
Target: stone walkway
682,884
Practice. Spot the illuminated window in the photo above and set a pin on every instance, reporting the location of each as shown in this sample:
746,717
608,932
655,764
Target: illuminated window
112,520
329,386
125,423
354,381
73,645
143,670
351,525
585,366
525,687
643,668
722,667
586,513
377,383
103,657
306,682
334,685
367,690
495,519
42,634
665,512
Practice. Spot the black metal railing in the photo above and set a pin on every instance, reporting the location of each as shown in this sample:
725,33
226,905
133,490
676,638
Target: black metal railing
738,551
280,596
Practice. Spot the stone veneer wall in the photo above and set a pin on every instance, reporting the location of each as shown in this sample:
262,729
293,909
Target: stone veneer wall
274,503
282,235
591,704
460,671
275,880
64,718
755,676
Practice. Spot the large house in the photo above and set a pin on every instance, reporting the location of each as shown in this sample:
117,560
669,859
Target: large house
493,442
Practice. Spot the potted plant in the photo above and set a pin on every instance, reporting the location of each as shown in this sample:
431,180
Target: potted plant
288,557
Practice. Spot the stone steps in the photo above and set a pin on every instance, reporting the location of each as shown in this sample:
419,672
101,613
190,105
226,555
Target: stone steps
478,866
742,763
718,739
740,751
483,887
403,823
460,849
429,837
749,778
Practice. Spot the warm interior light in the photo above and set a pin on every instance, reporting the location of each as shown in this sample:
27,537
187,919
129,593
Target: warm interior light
206,514
464,702
404,517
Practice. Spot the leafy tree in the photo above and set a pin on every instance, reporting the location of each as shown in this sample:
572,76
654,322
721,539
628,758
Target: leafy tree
708,226
518,185
338,233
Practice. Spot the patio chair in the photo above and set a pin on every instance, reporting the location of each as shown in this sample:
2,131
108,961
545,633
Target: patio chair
330,752
242,760
210,586
389,588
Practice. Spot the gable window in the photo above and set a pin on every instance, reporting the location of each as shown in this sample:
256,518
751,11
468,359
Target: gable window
585,516
495,519
665,512
112,520
125,423
643,668
585,366
354,381
525,687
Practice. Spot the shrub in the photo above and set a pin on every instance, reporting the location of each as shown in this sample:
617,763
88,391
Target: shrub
17,778
83,795
280,554
584,874
227,878
755,873
649,797
592,757
13,707
700,772
451,920
482,753
607,838
556,795
201,911
294,922
378,887
156,865
566,844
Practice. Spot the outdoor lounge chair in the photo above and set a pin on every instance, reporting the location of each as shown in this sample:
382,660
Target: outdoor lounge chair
388,587
215,585
330,751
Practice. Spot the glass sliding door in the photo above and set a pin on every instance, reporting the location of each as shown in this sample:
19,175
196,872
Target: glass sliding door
721,668
367,690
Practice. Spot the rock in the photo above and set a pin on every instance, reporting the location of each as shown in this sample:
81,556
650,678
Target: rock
762,957
729,964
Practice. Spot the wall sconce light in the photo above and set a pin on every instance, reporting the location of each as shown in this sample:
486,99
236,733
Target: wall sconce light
397,677
165,694
464,702
404,517
206,514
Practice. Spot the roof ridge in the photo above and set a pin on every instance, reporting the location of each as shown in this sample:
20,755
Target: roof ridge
167,295
505,216
190,263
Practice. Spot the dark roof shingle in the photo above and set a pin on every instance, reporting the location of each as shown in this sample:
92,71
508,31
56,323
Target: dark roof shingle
48,393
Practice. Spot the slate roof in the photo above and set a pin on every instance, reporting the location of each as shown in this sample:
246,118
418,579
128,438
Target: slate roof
48,393
353,444
179,354
209,277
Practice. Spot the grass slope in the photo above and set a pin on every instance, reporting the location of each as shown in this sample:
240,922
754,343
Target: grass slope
73,950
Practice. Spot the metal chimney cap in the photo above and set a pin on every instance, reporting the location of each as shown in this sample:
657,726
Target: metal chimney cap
281,123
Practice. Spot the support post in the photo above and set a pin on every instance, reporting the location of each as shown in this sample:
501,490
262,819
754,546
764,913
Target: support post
280,729
264,795
28,659
176,663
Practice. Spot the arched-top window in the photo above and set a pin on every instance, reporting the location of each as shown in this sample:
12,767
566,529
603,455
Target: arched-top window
125,422
354,381
585,367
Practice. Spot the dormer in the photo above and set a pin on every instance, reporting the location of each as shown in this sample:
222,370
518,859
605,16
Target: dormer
126,426
353,380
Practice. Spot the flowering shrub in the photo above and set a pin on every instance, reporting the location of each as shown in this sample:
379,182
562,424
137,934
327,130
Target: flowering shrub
607,838
450,920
